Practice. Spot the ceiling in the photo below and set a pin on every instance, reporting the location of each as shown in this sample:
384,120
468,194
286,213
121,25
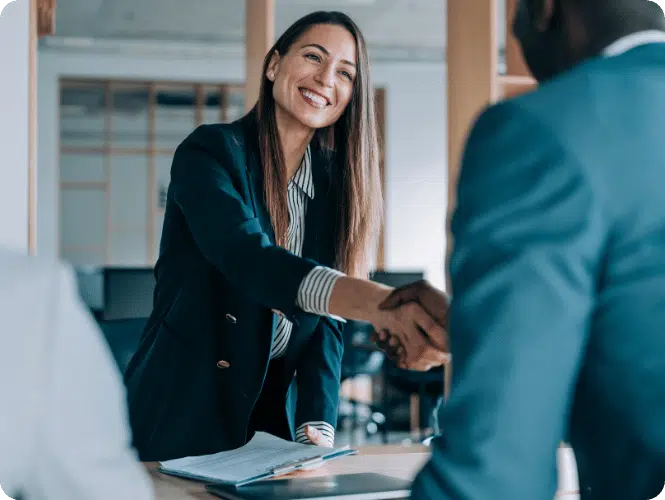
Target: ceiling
394,29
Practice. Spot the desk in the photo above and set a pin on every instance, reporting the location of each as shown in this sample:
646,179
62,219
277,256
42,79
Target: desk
398,461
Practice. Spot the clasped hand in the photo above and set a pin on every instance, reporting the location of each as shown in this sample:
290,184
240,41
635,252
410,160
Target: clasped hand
411,327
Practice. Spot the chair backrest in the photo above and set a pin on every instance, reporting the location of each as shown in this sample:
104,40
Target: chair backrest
123,336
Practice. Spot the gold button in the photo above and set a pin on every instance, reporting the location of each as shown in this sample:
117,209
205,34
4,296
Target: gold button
231,318
223,364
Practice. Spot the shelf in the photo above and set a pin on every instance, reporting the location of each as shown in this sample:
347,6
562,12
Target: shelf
511,86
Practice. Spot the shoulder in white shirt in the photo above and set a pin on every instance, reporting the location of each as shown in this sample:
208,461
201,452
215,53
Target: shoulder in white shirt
64,431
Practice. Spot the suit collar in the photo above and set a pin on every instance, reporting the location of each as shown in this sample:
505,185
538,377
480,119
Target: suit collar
303,177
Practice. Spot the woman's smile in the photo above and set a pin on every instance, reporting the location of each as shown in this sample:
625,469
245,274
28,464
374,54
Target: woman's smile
314,99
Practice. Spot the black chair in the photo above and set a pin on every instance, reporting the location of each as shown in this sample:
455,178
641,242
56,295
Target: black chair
428,386
122,336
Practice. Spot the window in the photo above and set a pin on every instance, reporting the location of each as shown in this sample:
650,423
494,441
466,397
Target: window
117,140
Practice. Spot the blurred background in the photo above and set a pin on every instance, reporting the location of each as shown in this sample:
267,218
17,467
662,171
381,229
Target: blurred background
120,83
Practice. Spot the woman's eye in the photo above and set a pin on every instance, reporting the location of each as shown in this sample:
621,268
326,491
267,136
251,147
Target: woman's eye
346,74
313,57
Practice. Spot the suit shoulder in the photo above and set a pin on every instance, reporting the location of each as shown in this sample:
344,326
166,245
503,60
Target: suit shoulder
224,143
568,101
216,136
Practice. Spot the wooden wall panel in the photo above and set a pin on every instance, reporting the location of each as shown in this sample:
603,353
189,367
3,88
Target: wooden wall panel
515,65
472,67
259,38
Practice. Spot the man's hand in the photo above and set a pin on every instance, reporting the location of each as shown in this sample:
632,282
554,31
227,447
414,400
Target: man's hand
434,301
422,337
413,297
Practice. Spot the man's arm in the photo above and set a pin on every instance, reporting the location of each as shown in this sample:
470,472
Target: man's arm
84,446
528,237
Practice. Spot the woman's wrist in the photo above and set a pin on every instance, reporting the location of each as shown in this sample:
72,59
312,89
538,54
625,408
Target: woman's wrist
357,299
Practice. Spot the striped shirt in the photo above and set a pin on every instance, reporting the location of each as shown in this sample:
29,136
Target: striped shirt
315,290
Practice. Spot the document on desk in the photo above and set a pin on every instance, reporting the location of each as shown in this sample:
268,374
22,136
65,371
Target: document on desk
265,456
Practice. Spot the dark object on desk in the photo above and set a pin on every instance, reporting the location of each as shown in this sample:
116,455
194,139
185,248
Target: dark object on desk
363,486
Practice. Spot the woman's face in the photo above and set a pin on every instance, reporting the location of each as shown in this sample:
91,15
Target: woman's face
313,81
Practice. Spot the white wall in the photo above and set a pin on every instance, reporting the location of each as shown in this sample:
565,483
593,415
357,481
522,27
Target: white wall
416,157
14,124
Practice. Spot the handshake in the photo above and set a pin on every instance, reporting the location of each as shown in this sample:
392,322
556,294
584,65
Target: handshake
411,327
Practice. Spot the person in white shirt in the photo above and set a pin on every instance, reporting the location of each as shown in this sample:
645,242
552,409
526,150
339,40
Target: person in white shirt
64,431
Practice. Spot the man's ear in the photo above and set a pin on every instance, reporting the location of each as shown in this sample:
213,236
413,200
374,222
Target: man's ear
273,66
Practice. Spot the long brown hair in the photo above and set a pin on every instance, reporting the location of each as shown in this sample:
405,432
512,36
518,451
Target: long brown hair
354,140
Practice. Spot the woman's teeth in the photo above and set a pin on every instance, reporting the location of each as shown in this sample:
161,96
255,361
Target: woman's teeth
315,99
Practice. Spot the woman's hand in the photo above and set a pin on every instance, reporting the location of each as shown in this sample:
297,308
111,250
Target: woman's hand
316,438
412,338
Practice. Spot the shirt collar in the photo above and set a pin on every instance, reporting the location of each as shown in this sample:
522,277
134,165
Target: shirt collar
303,177
628,42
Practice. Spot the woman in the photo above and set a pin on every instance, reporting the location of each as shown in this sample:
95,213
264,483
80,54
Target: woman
269,228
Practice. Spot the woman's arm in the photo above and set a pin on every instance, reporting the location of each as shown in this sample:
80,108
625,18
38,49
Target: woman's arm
318,380
229,235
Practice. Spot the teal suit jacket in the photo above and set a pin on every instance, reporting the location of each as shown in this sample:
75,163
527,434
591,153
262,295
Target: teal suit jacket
557,319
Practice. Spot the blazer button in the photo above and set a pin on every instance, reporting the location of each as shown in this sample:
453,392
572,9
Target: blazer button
231,318
223,364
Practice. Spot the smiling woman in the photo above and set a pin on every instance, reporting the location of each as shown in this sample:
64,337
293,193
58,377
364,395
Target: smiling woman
317,71
269,227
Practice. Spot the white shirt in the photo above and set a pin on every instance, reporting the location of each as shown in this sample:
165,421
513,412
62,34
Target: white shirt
315,290
64,430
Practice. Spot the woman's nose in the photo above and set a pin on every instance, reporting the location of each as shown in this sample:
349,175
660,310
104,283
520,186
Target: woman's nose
326,76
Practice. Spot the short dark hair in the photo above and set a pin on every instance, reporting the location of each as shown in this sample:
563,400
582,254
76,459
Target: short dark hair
657,10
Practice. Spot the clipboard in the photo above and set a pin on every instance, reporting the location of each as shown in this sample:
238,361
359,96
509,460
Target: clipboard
264,457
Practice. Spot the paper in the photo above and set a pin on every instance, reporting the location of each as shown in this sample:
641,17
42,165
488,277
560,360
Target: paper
264,456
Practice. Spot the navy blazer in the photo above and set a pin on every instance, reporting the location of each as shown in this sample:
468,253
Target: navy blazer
558,275
199,381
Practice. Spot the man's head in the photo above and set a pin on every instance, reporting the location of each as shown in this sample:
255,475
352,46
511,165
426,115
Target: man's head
558,34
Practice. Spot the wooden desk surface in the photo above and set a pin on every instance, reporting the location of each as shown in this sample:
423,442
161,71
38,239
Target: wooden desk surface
398,461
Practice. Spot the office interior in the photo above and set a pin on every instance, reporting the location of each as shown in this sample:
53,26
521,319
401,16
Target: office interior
110,87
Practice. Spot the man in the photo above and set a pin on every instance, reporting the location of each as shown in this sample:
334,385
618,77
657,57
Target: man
64,432
557,321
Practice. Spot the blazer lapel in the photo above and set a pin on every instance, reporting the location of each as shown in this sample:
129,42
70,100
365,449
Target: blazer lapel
319,221
320,224
255,173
